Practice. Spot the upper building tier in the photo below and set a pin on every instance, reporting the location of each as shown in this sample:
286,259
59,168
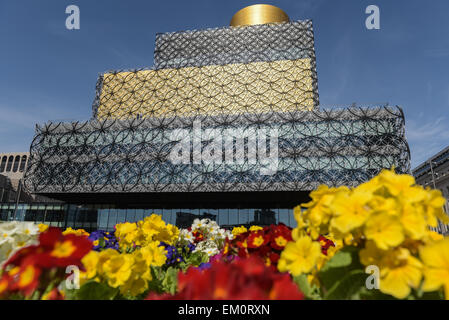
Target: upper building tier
226,45
229,70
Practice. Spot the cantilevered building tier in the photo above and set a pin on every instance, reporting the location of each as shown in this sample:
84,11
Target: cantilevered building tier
225,125
265,152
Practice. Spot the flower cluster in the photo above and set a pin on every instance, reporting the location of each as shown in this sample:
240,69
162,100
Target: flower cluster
130,272
104,240
35,271
266,243
78,232
152,228
174,256
15,235
206,235
244,279
387,218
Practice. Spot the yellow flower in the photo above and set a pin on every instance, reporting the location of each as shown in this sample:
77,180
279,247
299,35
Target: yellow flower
137,283
90,262
371,254
126,234
153,254
255,228
117,267
395,183
320,209
435,258
78,232
432,236
300,256
63,249
238,230
153,228
42,227
399,272
351,210
434,208
385,230
413,221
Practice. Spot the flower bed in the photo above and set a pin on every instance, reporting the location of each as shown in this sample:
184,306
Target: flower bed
370,242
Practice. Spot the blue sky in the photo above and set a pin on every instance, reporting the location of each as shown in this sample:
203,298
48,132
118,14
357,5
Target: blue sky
49,73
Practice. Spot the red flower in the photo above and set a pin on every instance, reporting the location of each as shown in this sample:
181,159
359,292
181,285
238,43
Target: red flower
54,250
44,262
246,279
54,294
257,239
280,235
325,244
267,244
24,278
198,236
285,289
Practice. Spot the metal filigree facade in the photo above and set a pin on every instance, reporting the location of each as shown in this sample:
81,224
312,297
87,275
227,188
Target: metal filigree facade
235,88
261,68
334,147
229,45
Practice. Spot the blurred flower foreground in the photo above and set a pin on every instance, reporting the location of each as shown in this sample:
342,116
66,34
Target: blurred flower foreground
370,242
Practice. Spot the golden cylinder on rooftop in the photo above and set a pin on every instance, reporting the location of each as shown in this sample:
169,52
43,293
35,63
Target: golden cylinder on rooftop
258,14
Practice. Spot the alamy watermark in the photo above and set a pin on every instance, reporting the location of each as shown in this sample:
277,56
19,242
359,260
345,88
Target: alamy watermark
72,22
373,280
226,146
72,282
373,20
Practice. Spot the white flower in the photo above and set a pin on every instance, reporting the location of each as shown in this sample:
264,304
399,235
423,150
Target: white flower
27,228
198,224
15,235
6,248
211,251
7,229
186,235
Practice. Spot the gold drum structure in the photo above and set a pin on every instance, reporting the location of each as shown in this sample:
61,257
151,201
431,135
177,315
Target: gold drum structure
259,14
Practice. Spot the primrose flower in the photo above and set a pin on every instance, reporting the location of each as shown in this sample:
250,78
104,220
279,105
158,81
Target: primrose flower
300,256
435,257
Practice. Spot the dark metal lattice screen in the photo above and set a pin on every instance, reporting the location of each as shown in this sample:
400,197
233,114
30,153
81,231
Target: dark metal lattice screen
334,147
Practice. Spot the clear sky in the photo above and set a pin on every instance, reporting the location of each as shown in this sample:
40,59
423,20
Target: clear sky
49,73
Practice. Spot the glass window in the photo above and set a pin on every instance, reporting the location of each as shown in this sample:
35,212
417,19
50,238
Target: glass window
9,165
103,215
3,163
233,217
251,216
223,217
140,214
112,219
284,216
243,216
121,216
23,163
16,164
166,215
292,220
130,215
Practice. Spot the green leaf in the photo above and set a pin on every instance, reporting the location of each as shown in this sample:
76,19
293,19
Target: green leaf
348,287
170,281
343,276
310,291
96,291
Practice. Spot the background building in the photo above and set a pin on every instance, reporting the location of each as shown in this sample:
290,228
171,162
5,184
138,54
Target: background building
254,76
434,173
